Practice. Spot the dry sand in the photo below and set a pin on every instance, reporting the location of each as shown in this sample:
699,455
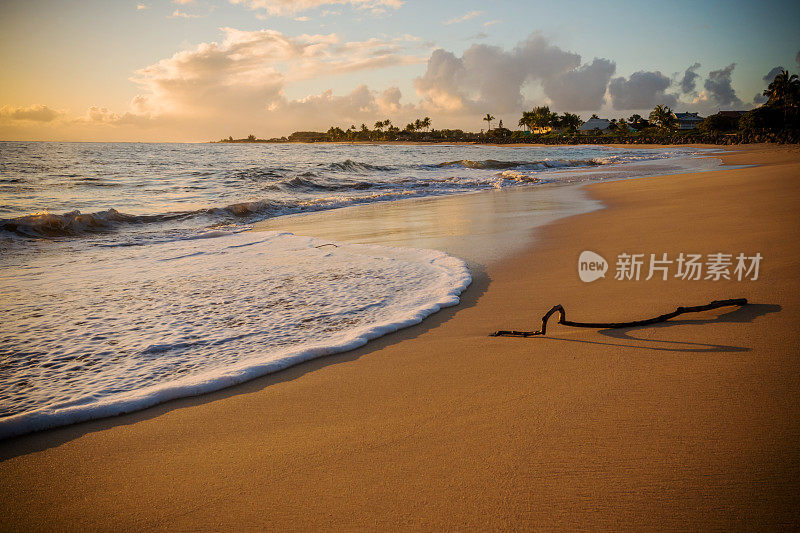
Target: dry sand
686,425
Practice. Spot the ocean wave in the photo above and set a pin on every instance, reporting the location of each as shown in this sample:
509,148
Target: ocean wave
46,224
75,223
516,176
493,164
309,183
348,165
227,310
92,181
330,186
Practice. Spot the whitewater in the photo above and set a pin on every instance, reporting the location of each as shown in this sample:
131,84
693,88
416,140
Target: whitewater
128,276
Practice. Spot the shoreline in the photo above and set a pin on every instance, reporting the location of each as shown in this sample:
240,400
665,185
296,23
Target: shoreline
439,426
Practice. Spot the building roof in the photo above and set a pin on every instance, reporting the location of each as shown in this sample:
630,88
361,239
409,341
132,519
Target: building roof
592,123
688,117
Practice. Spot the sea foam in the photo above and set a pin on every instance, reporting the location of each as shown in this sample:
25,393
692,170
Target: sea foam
113,330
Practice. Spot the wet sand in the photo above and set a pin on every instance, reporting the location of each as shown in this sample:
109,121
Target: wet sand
685,425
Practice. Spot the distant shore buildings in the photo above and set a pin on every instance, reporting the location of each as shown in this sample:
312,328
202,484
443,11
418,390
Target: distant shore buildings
683,121
595,124
688,121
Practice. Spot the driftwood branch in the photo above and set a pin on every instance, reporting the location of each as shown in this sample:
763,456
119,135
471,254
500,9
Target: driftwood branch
562,319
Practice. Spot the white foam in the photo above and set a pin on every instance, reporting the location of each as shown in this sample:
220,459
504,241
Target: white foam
115,330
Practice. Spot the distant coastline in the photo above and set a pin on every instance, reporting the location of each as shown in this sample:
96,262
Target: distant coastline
638,138
777,121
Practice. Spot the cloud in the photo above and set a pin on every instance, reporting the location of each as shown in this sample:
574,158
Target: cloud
642,90
302,19
180,14
251,67
101,116
580,89
33,113
389,100
238,84
183,2
718,88
797,59
463,18
689,80
770,76
490,23
140,7
489,78
361,105
477,36
290,7
759,99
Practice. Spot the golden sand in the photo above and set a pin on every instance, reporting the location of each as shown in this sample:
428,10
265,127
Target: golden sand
691,424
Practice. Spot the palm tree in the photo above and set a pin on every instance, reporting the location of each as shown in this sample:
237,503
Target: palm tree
541,117
663,116
527,118
570,121
489,118
426,123
784,89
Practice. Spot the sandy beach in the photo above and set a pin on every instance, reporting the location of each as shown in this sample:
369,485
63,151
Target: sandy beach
691,424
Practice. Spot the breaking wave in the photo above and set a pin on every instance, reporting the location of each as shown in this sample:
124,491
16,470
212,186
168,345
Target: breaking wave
348,165
493,164
129,333
73,223
211,193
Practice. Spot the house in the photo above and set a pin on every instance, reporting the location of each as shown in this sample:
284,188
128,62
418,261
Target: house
688,121
595,124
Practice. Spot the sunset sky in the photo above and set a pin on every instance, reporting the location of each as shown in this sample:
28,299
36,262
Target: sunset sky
198,70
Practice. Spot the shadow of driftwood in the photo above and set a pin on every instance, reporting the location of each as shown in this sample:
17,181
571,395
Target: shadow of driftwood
744,314
51,438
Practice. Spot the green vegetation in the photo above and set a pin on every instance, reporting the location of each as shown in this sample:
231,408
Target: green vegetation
663,117
718,123
778,120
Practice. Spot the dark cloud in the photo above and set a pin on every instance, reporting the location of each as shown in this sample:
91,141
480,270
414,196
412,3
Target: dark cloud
643,90
689,80
759,99
581,89
719,89
491,77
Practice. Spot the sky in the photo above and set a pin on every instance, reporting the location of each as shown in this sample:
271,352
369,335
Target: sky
200,70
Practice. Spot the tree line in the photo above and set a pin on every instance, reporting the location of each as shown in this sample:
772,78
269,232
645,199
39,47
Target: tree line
779,114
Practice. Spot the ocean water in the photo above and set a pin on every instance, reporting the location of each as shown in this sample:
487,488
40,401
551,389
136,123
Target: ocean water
127,276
